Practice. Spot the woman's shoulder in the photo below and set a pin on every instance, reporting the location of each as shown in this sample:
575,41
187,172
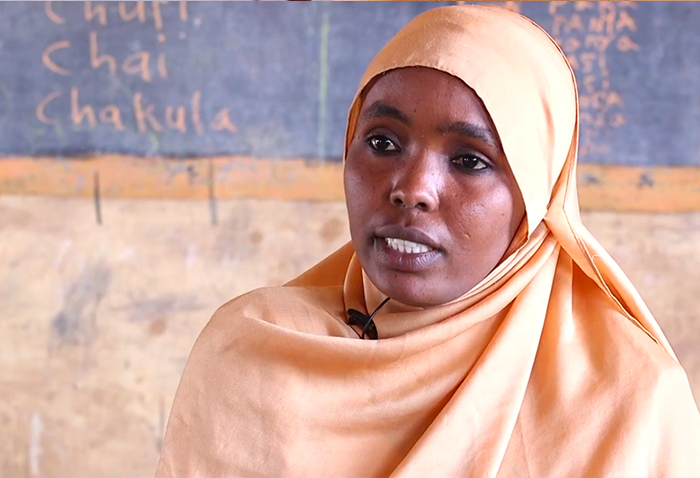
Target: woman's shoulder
306,309
311,303
603,339
641,399
629,376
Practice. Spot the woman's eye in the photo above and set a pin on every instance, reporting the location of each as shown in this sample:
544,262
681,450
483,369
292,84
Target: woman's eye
382,144
470,162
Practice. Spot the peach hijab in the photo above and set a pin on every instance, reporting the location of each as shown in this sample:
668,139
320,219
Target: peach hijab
551,367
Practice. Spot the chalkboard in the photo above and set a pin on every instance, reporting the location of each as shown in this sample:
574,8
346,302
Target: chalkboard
275,79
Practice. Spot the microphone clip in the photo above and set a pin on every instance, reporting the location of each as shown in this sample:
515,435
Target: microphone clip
369,328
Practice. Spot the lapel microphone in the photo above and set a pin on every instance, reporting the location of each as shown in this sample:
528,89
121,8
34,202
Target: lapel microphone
369,329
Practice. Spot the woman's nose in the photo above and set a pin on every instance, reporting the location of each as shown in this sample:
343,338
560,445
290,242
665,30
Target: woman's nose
417,186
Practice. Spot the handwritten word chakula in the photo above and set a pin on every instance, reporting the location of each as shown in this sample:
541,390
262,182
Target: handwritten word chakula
145,117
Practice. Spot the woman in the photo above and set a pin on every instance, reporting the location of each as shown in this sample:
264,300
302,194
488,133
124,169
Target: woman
511,344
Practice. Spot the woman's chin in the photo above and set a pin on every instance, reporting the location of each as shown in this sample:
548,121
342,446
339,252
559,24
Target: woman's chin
406,288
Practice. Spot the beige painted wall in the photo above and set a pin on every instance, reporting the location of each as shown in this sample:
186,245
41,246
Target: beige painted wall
96,322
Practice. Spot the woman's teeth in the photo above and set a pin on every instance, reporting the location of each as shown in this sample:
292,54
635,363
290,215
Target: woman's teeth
406,246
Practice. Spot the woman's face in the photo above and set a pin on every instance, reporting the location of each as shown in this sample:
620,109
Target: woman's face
432,202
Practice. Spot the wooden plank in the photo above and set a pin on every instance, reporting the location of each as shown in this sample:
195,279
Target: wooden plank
639,189
160,178
601,187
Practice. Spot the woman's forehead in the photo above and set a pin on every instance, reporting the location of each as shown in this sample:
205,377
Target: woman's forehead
415,88
428,97
419,80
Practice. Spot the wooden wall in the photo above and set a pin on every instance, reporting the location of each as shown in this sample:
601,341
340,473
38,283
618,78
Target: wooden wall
96,322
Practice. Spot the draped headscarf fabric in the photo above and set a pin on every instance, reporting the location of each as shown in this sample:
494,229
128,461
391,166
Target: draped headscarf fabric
552,366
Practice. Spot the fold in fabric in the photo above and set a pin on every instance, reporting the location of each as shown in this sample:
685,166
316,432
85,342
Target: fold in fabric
551,367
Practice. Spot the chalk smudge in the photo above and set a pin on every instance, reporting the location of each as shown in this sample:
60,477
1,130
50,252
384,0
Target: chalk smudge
75,323
36,430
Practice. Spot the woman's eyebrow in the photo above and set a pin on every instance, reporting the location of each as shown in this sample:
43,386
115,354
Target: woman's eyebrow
384,110
472,131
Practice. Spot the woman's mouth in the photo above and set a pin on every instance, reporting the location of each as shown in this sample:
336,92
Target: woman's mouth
404,255
407,247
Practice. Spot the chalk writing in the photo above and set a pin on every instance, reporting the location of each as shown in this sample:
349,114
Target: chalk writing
99,11
49,63
587,31
147,117
41,108
48,9
176,122
138,11
97,60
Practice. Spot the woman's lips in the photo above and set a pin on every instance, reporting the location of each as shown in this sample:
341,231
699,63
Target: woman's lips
414,258
411,234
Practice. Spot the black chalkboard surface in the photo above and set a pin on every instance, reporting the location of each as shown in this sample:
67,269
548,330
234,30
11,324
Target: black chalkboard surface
275,79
